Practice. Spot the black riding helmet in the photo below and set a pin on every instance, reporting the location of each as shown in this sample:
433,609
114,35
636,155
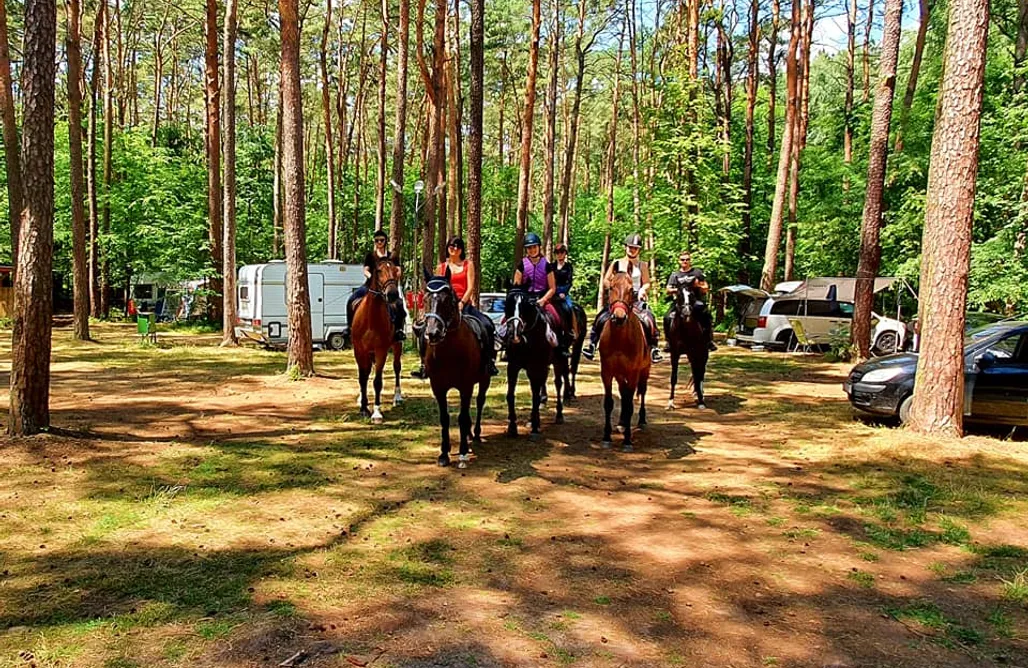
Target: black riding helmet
532,239
633,240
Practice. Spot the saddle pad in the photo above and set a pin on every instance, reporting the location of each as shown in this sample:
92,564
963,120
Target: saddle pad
477,328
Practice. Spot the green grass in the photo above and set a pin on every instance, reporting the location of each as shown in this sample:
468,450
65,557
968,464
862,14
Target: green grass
946,631
1016,588
863,578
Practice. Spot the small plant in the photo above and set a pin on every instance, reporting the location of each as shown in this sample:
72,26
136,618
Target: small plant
1016,588
602,600
863,578
840,349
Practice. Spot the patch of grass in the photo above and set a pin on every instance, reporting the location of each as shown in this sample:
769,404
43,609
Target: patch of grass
775,521
1016,588
602,600
282,608
213,629
863,578
953,533
894,538
928,615
1001,623
869,556
962,577
801,533
738,505
570,614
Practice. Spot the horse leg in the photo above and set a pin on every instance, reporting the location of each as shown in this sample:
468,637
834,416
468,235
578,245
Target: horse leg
537,381
512,385
608,408
627,404
464,421
363,371
559,371
676,357
641,391
376,417
444,423
699,373
397,352
483,386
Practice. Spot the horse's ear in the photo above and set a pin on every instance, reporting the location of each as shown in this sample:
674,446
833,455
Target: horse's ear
428,276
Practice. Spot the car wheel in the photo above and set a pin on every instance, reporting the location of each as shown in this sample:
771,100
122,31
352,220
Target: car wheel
887,344
904,410
786,339
336,341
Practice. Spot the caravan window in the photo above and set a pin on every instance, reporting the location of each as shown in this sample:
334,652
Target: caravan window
143,291
244,293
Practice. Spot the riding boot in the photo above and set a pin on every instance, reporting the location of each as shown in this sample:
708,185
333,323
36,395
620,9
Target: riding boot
418,330
594,334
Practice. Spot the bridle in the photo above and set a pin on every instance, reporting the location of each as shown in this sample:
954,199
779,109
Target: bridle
437,287
624,302
519,297
383,290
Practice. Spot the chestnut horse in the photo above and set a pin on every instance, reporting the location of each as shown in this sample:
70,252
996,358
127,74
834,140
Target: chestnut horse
453,360
528,349
685,335
624,356
372,331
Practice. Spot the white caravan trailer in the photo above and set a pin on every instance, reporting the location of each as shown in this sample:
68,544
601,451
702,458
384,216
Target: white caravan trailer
261,301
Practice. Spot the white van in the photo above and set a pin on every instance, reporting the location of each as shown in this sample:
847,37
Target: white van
822,305
261,301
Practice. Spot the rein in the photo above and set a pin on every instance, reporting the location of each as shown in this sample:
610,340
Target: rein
446,325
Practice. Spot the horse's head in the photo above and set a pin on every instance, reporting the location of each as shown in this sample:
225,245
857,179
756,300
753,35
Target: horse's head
385,275
441,308
684,299
620,296
521,313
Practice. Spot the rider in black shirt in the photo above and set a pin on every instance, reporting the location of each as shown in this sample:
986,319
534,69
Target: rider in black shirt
687,275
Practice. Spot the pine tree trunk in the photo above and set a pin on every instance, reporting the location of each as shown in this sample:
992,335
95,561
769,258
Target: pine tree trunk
300,354
380,174
949,208
33,283
276,190
550,150
229,150
213,102
91,185
851,63
397,220
774,233
611,159
12,150
867,49
476,56
799,141
330,149
453,126
525,172
772,77
752,82
915,67
80,268
581,48
105,261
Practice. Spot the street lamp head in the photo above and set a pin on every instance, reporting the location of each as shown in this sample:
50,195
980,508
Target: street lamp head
419,186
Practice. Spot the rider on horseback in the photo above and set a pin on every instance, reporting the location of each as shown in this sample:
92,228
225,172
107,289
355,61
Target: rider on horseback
397,311
535,274
692,279
640,273
462,279
564,277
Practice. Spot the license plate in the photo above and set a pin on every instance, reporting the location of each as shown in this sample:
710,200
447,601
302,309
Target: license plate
847,387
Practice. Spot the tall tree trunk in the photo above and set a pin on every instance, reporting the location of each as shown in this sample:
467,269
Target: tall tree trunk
851,64
383,72
33,283
870,231
550,150
1020,43
949,208
105,260
213,102
915,66
12,150
752,82
867,49
229,150
799,141
330,149
300,355
80,268
774,233
91,185
397,218
611,159
525,172
454,191
276,191
772,77
476,56
581,49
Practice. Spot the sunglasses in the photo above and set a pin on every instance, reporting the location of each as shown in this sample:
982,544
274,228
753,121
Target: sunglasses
380,241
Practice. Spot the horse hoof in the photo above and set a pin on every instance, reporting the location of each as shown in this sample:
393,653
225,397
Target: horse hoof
398,399
444,460
512,431
463,461
627,447
701,407
607,445
376,420
477,438
671,405
365,413
641,425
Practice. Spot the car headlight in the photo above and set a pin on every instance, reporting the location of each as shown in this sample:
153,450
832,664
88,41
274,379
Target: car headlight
883,375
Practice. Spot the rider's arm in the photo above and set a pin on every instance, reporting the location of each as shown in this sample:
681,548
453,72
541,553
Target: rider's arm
551,284
469,270
644,279
518,277
672,285
607,275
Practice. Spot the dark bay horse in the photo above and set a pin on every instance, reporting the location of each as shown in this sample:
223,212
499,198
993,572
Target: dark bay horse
372,331
453,360
685,335
566,368
624,357
528,349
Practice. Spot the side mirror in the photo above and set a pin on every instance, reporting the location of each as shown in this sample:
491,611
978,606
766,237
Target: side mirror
986,360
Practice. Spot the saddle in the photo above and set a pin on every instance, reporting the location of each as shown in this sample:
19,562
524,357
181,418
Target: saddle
478,329
392,308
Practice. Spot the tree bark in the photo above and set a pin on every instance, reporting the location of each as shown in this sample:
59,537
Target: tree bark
774,234
229,150
476,57
454,191
330,149
525,172
851,63
870,231
105,261
383,72
276,190
94,210
12,149
799,141
915,68
611,159
752,82
397,220
772,77
33,283
300,355
550,151
867,49
80,268
213,101
581,49
949,208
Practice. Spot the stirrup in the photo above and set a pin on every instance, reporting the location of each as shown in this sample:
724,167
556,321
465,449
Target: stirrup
655,356
589,351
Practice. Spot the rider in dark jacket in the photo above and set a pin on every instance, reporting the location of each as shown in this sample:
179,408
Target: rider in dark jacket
693,278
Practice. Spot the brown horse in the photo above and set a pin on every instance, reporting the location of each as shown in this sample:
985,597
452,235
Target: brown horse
624,357
685,336
372,332
453,360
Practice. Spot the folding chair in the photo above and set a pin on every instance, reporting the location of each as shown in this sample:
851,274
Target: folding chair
802,340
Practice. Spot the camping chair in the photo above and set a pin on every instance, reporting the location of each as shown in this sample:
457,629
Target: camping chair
802,340
146,326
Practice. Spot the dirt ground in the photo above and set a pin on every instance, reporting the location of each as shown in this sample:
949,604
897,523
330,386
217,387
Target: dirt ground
194,507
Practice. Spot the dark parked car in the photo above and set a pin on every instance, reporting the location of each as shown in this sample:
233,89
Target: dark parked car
995,378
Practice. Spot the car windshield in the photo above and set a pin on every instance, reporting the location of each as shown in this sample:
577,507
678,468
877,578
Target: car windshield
985,332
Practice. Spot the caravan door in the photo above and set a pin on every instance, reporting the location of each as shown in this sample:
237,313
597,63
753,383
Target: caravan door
316,285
